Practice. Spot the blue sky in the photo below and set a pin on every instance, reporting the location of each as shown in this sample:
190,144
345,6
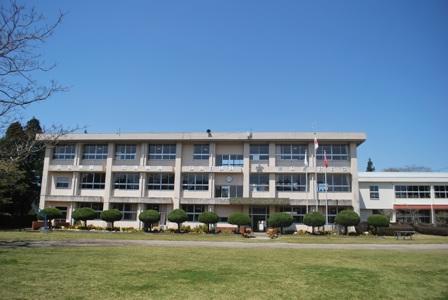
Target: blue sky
380,67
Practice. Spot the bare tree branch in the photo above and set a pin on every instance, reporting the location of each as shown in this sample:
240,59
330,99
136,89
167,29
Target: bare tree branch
22,31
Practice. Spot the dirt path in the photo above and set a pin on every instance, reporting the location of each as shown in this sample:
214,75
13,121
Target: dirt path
200,244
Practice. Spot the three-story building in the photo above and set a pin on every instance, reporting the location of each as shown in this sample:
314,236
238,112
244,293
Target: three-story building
225,172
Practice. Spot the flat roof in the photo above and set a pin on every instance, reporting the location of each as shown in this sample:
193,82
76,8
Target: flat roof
358,137
403,177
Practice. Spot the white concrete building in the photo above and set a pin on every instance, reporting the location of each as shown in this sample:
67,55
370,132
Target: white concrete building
407,196
257,173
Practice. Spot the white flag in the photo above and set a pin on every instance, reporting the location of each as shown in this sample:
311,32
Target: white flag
316,144
305,160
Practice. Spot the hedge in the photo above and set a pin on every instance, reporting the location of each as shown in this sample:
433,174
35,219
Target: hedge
431,229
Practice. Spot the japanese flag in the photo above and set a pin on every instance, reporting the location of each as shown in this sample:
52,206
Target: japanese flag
316,144
325,159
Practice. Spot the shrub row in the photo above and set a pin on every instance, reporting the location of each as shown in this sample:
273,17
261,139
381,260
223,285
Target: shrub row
430,229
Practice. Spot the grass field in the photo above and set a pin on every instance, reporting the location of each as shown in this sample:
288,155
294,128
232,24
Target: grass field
64,235
176,273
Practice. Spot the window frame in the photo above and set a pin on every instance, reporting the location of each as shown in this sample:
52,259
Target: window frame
126,182
128,152
58,180
374,192
199,152
193,211
412,191
94,185
166,152
96,206
257,153
68,153
229,160
234,191
153,185
95,151
190,182
336,188
295,182
441,191
287,151
129,214
256,184
333,153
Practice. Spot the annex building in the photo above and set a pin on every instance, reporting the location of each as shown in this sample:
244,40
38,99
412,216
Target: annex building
225,172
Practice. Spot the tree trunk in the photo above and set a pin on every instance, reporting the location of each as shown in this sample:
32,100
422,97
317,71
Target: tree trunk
150,227
346,230
312,230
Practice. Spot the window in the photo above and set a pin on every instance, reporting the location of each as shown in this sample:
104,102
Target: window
412,191
412,216
126,181
259,182
223,219
374,192
95,151
259,152
62,182
201,151
297,212
64,152
228,191
96,206
291,183
129,210
334,152
193,211
291,151
93,181
336,182
162,152
235,160
161,181
126,152
195,182
441,191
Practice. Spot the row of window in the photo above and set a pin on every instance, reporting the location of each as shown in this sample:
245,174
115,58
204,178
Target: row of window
258,152
200,182
412,191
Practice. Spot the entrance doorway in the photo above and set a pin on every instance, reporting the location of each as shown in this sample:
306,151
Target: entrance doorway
259,216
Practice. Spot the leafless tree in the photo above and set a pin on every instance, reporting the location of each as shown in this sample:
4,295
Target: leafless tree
22,31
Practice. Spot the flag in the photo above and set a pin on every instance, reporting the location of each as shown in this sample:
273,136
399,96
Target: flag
305,160
325,159
316,144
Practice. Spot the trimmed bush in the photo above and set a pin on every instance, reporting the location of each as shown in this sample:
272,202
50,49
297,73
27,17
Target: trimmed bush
431,229
149,217
178,216
84,214
347,218
111,215
378,221
50,213
239,219
314,219
208,218
362,227
280,219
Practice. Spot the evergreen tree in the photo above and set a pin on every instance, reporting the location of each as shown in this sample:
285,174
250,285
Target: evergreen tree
20,179
370,166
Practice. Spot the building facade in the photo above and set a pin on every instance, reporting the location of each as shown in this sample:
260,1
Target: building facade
257,173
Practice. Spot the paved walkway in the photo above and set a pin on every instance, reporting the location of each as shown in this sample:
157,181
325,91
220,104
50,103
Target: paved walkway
207,244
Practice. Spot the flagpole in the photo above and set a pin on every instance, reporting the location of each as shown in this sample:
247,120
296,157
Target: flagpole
306,180
326,197
315,171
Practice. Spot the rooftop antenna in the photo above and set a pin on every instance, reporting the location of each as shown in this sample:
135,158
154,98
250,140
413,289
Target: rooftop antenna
249,134
209,133
119,131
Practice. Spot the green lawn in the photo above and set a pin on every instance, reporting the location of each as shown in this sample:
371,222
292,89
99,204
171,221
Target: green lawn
177,273
64,235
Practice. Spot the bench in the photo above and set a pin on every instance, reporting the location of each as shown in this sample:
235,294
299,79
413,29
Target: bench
404,234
